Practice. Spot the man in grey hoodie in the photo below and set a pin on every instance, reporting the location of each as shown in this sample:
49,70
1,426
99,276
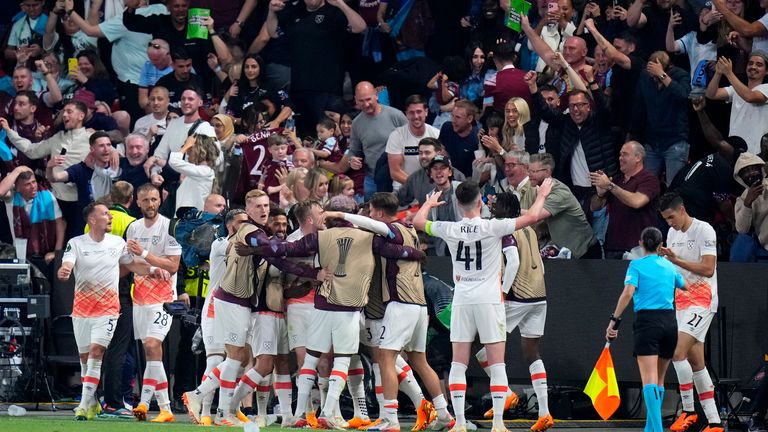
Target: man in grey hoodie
751,210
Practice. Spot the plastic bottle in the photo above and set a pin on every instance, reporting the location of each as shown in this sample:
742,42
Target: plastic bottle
251,427
16,411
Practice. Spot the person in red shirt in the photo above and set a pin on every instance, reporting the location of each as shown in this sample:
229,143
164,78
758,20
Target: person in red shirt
508,81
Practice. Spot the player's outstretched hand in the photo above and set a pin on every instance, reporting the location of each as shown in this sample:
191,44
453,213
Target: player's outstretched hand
433,199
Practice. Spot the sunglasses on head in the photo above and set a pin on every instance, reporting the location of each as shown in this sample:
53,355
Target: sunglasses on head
154,45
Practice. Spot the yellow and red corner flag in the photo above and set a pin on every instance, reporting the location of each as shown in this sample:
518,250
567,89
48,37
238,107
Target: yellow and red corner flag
602,386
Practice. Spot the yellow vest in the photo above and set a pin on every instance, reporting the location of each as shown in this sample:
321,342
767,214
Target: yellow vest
120,220
193,280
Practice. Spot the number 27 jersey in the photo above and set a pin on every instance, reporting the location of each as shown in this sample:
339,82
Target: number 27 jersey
475,246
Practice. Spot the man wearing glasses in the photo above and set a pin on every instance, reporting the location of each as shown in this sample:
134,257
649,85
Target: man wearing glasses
564,216
586,141
26,35
516,178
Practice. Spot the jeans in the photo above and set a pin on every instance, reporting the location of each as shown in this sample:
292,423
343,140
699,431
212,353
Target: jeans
370,187
600,224
673,158
277,77
746,248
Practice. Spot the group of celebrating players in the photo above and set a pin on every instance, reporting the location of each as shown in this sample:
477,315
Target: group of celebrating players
339,280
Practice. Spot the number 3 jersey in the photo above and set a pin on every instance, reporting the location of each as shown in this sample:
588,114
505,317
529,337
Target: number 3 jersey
475,246
699,240
97,274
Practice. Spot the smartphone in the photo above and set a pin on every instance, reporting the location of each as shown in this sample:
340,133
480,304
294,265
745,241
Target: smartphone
63,152
72,66
553,7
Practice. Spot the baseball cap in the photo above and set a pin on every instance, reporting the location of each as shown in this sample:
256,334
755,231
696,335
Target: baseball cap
444,159
205,129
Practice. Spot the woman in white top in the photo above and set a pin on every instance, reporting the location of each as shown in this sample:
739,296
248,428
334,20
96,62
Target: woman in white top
197,171
516,116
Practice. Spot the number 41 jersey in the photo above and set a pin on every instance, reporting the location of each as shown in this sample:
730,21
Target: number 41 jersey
475,246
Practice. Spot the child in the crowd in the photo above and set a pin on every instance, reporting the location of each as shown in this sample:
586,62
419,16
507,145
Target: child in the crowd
326,136
341,185
484,166
275,170
197,171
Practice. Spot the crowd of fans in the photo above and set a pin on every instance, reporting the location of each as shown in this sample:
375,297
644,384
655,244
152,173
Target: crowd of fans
311,99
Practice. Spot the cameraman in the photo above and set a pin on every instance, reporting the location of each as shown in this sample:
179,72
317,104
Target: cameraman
192,290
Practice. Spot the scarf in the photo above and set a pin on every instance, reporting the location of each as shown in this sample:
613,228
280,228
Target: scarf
39,225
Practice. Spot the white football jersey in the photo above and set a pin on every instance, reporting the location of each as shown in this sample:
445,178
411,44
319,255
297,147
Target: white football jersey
159,242
692,245
97,274
475,246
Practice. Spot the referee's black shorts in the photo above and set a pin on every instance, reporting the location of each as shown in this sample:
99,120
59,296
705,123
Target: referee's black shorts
655,333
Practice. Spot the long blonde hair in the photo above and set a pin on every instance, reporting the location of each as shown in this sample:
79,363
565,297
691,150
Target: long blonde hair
294,180
205,150
508,133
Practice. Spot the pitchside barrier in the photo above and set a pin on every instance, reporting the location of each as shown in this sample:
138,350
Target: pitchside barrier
582,294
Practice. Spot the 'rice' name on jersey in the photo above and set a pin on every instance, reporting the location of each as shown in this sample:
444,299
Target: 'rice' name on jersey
475,245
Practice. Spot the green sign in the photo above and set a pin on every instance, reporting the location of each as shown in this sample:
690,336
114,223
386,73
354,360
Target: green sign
195,27
516,9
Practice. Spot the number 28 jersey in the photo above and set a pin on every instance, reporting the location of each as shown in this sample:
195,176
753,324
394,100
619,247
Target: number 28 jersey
475,246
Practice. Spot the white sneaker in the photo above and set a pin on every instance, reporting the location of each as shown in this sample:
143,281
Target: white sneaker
442,423
288,421
259,420
386,425
194,404
330,423
228,419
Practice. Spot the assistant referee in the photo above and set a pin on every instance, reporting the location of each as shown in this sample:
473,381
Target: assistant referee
650,283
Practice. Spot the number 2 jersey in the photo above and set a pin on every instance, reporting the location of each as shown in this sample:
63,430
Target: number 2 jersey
97,274
475,246
699,240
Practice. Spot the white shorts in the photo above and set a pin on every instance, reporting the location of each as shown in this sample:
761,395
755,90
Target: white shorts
207,325
371,331
404,327
151,321
298,317
529,317
487,320
232,323
269,334
338,330
97,330
695,321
